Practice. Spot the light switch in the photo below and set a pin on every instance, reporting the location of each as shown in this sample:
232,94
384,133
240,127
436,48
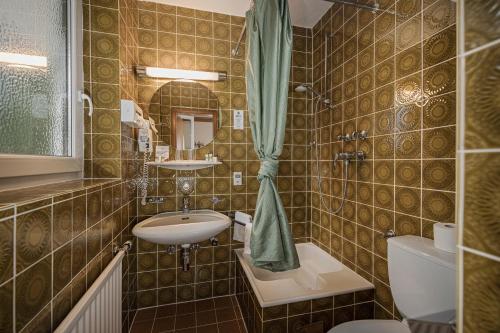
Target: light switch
237,178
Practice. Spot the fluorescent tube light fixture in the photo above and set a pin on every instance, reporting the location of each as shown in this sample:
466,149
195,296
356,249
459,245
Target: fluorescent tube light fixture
19,59
180,74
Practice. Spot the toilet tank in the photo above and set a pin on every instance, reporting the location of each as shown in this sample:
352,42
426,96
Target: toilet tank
422,278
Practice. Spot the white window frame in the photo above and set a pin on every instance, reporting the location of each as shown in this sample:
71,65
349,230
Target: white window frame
23,170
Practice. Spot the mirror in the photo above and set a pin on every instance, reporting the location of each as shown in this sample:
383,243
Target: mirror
187,114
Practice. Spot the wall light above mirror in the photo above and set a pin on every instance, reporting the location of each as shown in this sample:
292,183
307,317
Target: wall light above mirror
180,74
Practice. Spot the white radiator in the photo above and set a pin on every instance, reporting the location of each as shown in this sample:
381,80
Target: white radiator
100,308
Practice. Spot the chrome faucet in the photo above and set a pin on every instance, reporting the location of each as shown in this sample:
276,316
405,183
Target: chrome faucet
345,138
348,157
185,204
356,135
156,200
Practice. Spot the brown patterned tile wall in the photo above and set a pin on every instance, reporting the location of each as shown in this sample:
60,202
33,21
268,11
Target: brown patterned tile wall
129,16
392,74
109,53
184,38
101,55
317,315
479,164
55,241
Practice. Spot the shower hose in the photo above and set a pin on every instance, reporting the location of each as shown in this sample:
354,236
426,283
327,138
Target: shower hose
318,178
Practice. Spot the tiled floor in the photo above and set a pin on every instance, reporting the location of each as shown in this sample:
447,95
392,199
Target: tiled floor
217,315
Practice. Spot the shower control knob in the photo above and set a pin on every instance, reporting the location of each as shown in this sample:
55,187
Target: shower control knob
360,155
362,135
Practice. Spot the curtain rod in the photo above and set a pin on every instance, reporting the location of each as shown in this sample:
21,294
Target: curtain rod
374,8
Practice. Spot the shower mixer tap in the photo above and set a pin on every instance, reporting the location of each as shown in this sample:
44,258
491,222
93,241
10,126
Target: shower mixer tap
356,135
348,157
345,138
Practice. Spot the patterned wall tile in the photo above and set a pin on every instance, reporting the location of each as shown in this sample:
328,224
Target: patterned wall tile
104,19
33,288
482,113
62,268
33,237
7,249
438,206
438,174
6,306
437,16
440,47
440,111
481,23
481,214
481,291
439,143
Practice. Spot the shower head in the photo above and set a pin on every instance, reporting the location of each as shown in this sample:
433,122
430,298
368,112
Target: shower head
304,87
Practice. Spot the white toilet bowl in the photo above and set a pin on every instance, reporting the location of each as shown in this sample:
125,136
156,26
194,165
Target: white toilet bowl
422,280
371,326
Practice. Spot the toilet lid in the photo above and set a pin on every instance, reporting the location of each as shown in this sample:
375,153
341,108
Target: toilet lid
371,326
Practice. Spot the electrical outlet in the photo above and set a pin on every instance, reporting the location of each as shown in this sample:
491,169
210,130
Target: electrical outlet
237,178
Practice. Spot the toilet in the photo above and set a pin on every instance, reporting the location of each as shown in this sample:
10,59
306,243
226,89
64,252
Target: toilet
422,280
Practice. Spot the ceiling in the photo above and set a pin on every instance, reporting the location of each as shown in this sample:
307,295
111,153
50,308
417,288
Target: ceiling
304,13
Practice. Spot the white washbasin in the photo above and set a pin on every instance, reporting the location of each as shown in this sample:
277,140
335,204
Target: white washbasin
185,164
177,228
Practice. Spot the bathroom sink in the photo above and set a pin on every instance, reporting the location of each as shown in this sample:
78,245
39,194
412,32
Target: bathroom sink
178,228
185,164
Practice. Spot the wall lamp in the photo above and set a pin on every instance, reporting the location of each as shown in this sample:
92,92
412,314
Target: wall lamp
179,74
18,59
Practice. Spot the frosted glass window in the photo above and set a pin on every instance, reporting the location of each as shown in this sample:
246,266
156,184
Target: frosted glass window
34,78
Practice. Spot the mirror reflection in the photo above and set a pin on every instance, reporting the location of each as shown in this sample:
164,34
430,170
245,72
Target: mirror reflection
187,114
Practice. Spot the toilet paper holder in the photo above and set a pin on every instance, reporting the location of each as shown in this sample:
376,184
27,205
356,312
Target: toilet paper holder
240,223
232,216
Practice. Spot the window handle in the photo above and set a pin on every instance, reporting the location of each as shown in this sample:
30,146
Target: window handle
82,97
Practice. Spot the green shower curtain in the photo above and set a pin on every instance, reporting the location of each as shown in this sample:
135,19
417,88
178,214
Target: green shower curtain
269,49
